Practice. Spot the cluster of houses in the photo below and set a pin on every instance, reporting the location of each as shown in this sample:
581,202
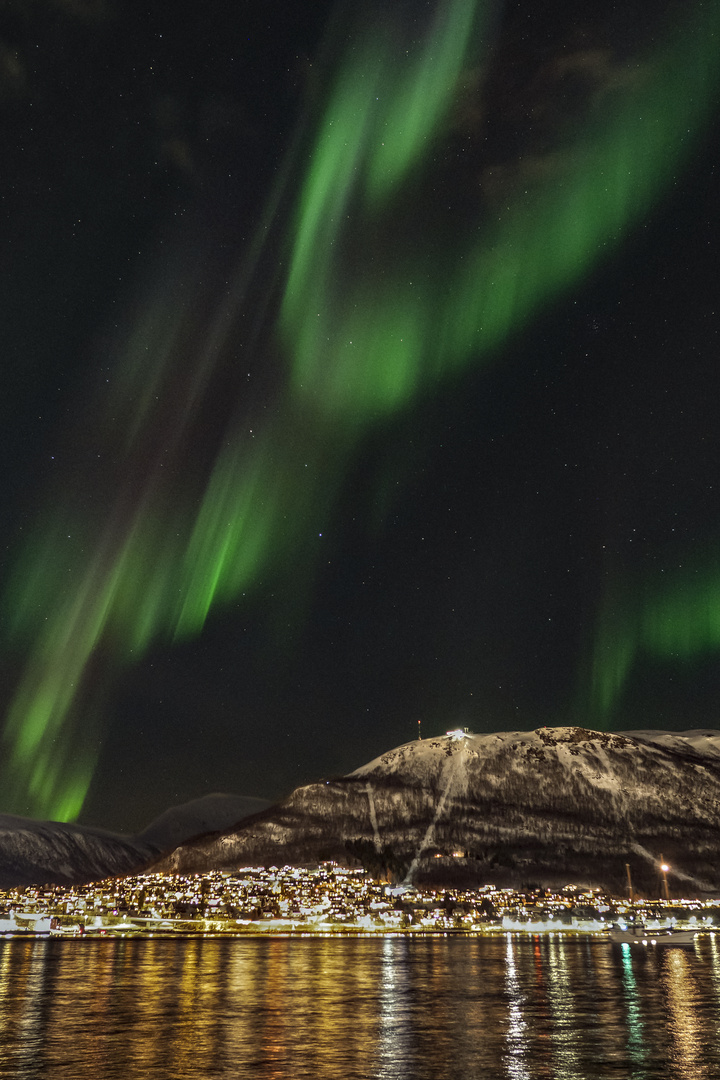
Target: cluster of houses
324,899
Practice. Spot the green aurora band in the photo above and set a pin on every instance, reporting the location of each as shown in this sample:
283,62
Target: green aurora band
364,328
671,616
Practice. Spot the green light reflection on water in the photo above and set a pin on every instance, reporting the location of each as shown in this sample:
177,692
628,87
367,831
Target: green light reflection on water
633,1012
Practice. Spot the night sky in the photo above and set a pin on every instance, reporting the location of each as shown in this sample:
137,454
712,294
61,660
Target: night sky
360,368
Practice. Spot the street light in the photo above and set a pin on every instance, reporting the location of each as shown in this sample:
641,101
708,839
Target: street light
664,868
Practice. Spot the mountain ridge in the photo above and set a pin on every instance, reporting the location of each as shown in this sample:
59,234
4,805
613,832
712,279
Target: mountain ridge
53,852
550,805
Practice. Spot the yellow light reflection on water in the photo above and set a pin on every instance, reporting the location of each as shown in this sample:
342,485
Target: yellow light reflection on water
358,1009
291,999
516,1037
395,1029
600,967
684,1025
713,949
561,994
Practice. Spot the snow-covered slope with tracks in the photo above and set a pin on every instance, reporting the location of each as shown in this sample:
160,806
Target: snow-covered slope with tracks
550,804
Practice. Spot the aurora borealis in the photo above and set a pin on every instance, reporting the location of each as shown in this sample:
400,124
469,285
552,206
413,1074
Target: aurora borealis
400,252
671,616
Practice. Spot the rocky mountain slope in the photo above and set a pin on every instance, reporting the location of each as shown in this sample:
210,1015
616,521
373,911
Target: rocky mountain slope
41,852
550,806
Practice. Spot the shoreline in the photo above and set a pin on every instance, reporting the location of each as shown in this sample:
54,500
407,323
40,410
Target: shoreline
284,930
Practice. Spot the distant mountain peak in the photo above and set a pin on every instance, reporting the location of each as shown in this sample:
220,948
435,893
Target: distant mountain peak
42,852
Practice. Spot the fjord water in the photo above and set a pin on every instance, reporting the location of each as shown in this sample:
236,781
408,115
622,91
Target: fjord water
393,1008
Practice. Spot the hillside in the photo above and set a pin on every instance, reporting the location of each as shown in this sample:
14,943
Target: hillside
548,806
42,852
52,852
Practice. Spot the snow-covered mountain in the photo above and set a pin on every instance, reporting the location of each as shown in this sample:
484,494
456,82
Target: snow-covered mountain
41,852
211,813
553,805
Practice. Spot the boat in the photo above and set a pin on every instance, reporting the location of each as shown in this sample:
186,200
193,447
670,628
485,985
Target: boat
638,934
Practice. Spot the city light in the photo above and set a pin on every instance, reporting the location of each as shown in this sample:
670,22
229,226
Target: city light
326,899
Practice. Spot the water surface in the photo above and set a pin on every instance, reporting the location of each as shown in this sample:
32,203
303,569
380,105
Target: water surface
526,1008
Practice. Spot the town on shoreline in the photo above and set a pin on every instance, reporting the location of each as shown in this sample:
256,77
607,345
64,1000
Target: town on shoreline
328,899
